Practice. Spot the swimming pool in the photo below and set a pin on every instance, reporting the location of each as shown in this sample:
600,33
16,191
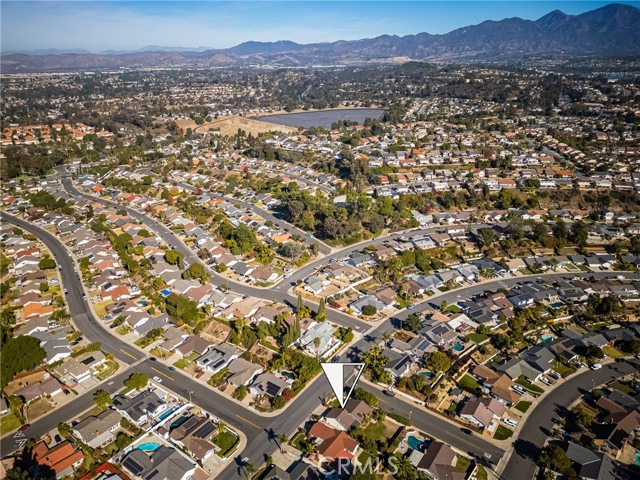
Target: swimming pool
148,446
142,303
545,338
414,442
637,458
426,374
458,347
165,292
178,422
168,413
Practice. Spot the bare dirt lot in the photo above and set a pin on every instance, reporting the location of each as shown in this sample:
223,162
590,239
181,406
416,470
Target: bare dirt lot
230,126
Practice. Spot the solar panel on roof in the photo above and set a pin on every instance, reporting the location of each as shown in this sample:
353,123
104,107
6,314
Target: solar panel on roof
205,431
133,466
273,389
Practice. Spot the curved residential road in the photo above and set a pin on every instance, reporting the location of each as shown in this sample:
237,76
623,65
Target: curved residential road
79,308
272,294
533,434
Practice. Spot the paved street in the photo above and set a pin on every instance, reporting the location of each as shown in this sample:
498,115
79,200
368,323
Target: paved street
262,431
533,434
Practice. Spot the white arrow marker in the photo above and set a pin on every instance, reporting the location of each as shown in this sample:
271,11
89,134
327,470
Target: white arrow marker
335,375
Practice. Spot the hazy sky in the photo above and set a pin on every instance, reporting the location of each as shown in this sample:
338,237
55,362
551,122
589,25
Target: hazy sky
124,25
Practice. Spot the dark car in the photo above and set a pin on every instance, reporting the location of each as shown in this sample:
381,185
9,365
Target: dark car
173,369
466,431
24,427
389,393
153,359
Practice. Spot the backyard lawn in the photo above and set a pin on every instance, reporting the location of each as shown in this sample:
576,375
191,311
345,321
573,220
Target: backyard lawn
477,337
365,457
469,383
522,406
110,368
502,433
226,441
481,473
612,352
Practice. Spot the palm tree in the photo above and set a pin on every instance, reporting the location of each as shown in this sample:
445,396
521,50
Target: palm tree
222,427
387,336
101,398
249,470
405,468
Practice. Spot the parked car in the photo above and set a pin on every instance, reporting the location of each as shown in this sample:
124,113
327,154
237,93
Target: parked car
595,366
389,393
510,421
157,379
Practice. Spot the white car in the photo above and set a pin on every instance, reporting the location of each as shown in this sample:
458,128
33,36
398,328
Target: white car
157,379
595,366
510,421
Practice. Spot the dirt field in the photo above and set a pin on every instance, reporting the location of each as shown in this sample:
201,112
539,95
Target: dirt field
216,331
230,126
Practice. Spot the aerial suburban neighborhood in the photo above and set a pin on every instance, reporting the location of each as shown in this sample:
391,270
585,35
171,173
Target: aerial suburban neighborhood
190,241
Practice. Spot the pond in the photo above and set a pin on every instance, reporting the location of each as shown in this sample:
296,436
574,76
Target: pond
323,118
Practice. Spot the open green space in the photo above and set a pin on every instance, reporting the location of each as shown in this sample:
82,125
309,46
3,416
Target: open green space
462,464
481,473
296,441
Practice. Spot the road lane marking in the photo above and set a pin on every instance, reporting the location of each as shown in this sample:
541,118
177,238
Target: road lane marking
162,373
249,422
127,353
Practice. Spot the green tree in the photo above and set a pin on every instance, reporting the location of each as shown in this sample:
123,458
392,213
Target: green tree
19,354
556,459
196,270
369,310
321,316
173,257
136,381
47,263
101,398
437,361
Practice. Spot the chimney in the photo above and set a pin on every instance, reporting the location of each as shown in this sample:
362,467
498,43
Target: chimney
97,433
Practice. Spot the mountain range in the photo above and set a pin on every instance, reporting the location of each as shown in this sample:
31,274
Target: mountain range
613,30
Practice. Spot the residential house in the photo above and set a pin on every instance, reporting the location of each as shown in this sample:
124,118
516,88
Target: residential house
97,431
163,463
482,411
354,413
59,461
217,358
194,435
332,444
140,408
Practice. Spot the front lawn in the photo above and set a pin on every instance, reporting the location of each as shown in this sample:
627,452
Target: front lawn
468,383
185,361
365,458
621,387
502,433
109,369
296,441
462,464
481,473
522,406
523,382
226,441
561,368
8,423
612,352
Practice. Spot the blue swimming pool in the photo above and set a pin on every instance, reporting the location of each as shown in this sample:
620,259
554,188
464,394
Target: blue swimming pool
637,458
168,413
426,374
142,303
414,442
458,347
149,446
545,338
165,292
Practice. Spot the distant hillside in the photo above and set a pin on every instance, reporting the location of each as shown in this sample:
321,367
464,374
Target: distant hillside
613,30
